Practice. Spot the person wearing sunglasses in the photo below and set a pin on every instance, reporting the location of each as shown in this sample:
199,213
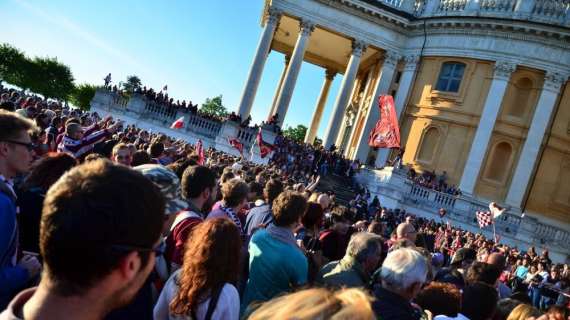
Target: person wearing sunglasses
16,155
99,236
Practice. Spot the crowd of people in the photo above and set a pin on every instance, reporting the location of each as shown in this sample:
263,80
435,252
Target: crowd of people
430,180
102,220
161,98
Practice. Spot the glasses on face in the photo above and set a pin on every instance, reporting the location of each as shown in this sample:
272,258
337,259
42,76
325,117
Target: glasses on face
158,250
29,145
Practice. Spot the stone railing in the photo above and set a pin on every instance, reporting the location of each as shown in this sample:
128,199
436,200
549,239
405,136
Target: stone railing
156,117
555,12
200,125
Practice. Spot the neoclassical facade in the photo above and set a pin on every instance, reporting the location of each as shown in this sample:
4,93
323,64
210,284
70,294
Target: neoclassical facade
480,87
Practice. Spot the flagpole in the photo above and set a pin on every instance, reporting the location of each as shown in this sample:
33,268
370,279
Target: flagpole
251,151
494,234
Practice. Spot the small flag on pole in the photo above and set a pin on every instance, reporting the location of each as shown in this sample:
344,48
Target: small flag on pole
178,124
484,218
234,142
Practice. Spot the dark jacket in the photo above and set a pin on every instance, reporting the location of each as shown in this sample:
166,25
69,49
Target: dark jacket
390,306
344,273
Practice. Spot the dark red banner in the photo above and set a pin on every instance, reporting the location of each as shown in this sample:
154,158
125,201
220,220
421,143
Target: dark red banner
386,134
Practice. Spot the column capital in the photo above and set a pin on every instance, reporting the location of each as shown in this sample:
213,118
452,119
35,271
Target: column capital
554,80
358,47
391,58
306,27
504,69
273,15
330,74
411,62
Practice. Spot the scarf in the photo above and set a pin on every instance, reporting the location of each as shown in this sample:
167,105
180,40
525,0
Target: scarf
232,215
282,234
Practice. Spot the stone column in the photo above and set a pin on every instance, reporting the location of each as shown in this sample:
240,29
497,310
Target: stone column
317,115
400,99
530,152
278,90
385,76
256,69
343,97
293,69
484,131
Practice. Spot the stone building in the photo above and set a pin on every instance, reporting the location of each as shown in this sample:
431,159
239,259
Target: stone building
480,88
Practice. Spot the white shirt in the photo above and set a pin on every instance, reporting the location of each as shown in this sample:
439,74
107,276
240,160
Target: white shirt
226,308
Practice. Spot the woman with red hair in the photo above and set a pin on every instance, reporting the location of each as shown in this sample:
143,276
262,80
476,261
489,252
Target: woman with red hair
204,288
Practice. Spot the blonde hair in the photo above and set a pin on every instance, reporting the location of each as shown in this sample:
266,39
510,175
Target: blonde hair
523,312
318,303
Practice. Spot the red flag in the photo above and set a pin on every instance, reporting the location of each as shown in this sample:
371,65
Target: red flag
178,124
386,134
200,152
234,142
264,147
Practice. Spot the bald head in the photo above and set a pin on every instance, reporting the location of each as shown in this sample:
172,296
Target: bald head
497,260
407,231
324,201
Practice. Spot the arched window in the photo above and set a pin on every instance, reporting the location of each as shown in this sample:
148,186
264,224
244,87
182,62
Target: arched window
429,145
498,167
521,97
450,76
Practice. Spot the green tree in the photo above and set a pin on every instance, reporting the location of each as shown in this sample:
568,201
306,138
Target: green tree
297,133
214,107
82,95
14,66
51,78
133,82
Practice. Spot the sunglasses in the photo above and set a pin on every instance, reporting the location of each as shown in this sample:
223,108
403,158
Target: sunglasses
29,145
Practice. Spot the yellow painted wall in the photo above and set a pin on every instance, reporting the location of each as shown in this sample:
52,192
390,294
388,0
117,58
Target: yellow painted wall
550,191
509,134
454,116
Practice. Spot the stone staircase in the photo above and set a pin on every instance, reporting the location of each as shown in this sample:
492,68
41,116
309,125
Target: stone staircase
340,185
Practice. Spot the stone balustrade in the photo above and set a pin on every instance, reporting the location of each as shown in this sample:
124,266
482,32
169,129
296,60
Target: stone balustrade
156,117
555,12
396,191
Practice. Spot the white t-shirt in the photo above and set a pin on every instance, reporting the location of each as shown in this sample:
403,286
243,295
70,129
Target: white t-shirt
226,308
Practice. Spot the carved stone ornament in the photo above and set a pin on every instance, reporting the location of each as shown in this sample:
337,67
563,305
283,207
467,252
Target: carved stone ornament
329,74
411,62
504,69
358,47
554,80
273,15
391,58
306,27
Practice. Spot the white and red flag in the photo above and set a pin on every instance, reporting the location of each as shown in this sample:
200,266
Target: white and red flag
386,134
200,152
178,124
234,142
264,147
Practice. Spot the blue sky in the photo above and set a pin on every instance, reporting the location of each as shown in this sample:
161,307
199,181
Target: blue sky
198,48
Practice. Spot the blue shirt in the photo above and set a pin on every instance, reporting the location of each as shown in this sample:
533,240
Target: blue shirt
274,267
521,272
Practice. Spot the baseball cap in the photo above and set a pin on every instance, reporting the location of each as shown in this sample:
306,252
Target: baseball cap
168,183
